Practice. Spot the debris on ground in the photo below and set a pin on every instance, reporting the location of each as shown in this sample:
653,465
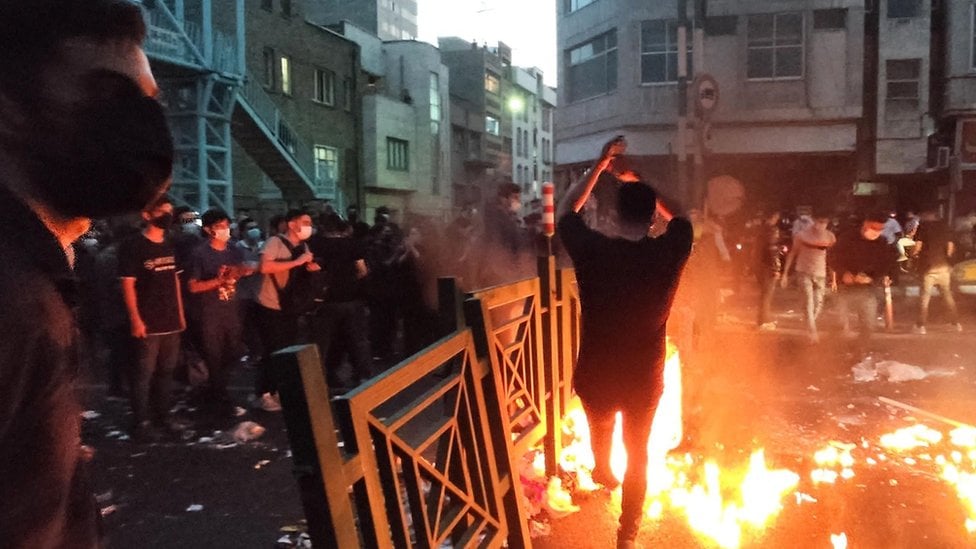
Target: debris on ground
247,431
892,371
90,414
262,463
106,511
196,507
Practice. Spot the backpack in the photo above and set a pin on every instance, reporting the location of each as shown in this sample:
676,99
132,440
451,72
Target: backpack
304,289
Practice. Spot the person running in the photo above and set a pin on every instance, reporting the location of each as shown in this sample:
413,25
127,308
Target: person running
809,254
627,285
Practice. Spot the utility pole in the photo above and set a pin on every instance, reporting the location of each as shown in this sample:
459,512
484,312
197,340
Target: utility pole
683,96
698,64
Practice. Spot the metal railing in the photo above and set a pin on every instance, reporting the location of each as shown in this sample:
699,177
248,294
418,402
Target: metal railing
269,116
181,41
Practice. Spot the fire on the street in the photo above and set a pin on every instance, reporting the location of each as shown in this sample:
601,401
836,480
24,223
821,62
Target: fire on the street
729,506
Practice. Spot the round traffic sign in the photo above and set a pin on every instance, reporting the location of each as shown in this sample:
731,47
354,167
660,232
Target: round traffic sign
706,92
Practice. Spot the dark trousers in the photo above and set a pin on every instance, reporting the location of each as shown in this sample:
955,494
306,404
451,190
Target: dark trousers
220,347
152,379
767,285
120,358
278,330
636,432
251,329
383,315
342,326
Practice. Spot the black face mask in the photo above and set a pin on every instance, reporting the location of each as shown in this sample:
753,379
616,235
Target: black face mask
164,221
109,154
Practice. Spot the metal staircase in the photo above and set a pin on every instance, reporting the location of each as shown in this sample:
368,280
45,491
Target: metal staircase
201,70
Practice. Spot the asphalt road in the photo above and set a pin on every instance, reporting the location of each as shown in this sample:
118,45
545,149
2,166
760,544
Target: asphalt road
754,389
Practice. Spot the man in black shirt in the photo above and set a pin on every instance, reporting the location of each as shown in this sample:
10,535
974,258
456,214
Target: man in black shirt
627,285
151,289
341,323
80,138
215,269
935,248
862,262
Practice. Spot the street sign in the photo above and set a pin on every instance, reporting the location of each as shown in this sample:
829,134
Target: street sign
706,93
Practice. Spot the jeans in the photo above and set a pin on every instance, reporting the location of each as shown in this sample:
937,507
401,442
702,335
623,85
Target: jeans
342,326
814,288
862,301
152,380
940,277
278,330
636,432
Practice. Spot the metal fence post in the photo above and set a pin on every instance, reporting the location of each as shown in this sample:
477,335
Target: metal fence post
552,443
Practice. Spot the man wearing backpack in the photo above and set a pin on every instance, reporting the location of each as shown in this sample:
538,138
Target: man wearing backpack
282,257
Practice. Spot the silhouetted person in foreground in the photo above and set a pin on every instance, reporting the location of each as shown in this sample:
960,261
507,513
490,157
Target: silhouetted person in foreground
627,285
81,137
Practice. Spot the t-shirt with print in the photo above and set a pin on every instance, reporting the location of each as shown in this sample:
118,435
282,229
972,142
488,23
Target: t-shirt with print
153,266
277,251
205,264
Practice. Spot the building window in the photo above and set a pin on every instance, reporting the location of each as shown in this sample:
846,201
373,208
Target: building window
397,154
492,126
518,142
435,103
775,46
285,74
492,83
546,119
830,19
268,78
326,168
347,94
573,5
593,67
324,87
286,8
904,9
721,25
267,5
903,84
659,52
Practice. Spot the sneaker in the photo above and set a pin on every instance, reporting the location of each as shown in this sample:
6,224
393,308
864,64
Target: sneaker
957,327
920,330
767,327
269,402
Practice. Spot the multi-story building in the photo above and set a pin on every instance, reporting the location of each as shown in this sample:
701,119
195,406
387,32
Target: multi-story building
406,137
531,103
387,19
481,116
956,58
790,79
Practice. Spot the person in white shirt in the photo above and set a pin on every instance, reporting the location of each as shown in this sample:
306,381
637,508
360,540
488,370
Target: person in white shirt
809,254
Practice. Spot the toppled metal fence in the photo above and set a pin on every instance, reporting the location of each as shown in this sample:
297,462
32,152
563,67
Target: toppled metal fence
425,455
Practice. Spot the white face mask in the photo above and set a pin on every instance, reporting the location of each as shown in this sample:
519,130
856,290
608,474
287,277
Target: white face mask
223,235
305,232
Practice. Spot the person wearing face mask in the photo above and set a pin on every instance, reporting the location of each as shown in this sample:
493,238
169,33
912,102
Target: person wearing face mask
281,257
215,269
150,288
863,262
81,137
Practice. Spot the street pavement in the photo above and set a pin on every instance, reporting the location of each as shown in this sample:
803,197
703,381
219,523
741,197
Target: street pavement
750,390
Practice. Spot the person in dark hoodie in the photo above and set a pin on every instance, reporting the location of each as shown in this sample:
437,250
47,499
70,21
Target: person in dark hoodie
81,137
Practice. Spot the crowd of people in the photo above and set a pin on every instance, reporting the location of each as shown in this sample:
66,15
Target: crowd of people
856,258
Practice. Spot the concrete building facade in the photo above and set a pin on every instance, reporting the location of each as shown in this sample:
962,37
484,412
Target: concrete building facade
531,105
406,135
789,74
387,19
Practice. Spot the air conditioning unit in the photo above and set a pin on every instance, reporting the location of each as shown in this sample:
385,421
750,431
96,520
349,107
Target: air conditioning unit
942,158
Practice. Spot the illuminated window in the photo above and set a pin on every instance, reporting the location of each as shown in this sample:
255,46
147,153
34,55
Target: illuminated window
285,67
775,46
326,168
593,67
659,52
435,103
492,83
324,87
397,154
492,125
